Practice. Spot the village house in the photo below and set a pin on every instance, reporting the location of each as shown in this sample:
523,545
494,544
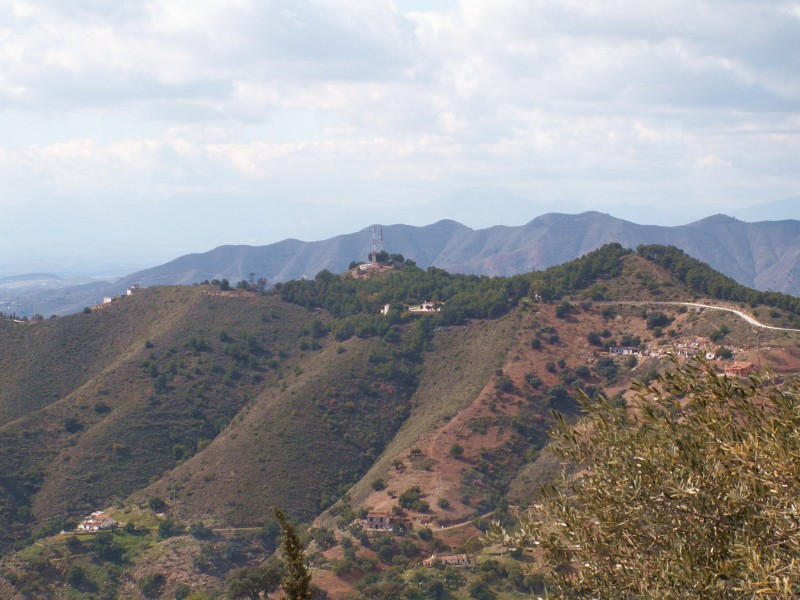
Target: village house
96,522
426,307
623,350
379,520
739,370
133,290
455,560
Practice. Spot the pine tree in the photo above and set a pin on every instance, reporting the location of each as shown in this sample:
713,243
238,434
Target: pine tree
296,582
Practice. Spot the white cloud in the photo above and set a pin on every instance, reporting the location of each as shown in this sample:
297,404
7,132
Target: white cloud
343,100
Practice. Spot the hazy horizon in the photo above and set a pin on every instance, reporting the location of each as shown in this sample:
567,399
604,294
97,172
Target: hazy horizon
136,132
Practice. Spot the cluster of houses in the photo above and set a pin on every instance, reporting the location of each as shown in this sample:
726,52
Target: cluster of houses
381,520
737,369
97,521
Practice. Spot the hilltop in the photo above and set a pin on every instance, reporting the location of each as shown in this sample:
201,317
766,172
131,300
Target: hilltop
213,406
762,255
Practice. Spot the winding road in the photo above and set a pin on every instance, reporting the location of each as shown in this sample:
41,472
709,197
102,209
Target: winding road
741,314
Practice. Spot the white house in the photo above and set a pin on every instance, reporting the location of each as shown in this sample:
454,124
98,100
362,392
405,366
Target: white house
96,521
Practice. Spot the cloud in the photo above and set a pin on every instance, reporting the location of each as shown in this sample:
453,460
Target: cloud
343,101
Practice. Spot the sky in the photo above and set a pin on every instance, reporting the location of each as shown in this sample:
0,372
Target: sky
135,131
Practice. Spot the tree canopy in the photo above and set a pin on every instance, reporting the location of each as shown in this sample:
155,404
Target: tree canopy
691,491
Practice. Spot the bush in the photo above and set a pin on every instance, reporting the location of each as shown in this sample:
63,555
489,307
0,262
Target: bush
412,499
723,352
182,591
169,527
72,425
564,309
657,319
504,383
456,451
76,576
607,368
200,531
151,584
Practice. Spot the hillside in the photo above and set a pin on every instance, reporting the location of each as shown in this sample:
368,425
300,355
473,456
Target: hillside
763,255
214,406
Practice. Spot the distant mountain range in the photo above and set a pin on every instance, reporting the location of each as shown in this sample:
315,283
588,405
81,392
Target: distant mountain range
763,255
779,210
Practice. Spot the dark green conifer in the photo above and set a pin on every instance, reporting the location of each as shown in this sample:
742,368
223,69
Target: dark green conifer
296,581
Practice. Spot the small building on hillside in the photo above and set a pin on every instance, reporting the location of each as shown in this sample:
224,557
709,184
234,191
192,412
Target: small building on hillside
379,520
623,350
96,522
739,370
134,289
454,560
426,307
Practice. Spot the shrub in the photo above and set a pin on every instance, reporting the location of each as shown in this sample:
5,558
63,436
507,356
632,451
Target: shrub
563,309
456,451
151,584
72,425
607,368
412,499
76,576
723,352
504,383
199,530
657,319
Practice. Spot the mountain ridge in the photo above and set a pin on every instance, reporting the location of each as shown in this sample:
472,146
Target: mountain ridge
763,255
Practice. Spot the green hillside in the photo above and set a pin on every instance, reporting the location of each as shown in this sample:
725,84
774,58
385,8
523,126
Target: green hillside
214,406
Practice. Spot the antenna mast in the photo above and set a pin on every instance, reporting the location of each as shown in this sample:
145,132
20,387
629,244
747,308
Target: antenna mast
374,255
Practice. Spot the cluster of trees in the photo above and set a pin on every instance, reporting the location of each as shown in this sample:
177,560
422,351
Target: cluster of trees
704,280
559,281
464,296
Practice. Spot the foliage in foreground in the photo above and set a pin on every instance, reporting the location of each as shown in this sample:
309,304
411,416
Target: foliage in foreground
690,492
